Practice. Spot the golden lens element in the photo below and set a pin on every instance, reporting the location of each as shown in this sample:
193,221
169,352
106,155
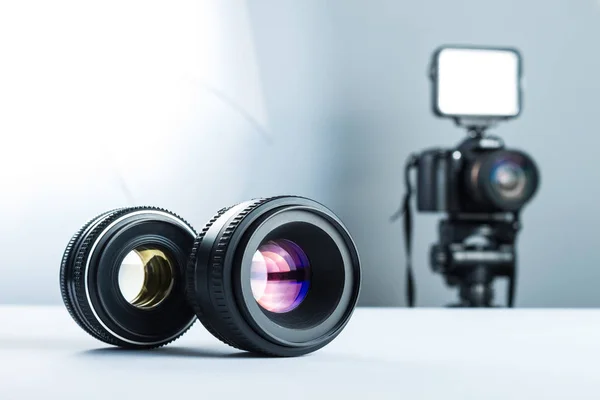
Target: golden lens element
146,277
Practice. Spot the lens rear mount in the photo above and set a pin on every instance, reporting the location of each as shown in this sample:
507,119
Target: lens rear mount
122,276
278,276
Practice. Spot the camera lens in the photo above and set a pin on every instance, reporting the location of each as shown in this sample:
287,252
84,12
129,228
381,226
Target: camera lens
505,179
122,277
278,276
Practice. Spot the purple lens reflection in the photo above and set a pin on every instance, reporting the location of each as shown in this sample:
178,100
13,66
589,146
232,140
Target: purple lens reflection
280,275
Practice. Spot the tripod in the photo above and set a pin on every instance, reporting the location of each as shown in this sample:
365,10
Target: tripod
472,251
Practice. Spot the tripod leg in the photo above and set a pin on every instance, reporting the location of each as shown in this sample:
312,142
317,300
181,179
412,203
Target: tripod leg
477,291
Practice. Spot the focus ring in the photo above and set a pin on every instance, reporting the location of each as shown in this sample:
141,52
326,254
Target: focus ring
191,278
79,274
235,337
214,273
63,277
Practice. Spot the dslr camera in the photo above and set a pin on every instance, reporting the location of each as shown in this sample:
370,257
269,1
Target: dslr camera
479,176
481,185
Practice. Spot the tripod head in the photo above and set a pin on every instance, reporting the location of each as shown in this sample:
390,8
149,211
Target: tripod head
472,251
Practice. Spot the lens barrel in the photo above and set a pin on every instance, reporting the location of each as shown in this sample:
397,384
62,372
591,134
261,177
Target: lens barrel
122,277
278,276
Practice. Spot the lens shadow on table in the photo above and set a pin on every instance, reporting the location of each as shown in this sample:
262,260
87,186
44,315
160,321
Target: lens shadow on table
210,353
77,348
168,352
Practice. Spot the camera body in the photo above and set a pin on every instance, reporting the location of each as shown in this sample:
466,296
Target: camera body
478,176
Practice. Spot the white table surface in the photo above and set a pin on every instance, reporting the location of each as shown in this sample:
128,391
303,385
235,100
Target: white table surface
383,353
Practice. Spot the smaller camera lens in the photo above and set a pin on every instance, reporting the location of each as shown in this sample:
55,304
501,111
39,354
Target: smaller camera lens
280,275
146,277
122,275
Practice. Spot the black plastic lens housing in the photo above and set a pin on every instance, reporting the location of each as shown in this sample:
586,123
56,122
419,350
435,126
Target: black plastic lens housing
122,277
269,239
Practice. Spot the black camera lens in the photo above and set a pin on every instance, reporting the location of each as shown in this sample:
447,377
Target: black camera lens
122,276
278,276
506,179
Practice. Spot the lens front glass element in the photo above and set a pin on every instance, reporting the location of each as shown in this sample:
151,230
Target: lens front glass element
280,275
510,179
146,277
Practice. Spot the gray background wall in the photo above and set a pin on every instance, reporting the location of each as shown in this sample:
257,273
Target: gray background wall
199,104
